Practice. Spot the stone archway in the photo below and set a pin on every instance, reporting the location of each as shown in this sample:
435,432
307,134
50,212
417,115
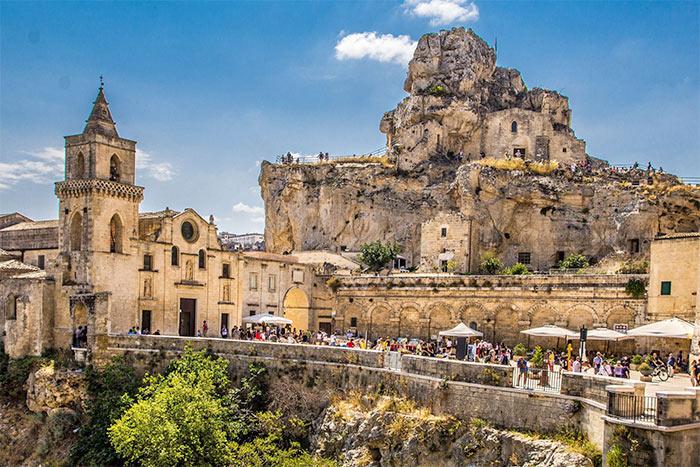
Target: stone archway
440,320
579,316
410,324
506,327
382,323
296,308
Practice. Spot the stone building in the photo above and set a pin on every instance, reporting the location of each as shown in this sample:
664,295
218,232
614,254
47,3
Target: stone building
105,265
446,243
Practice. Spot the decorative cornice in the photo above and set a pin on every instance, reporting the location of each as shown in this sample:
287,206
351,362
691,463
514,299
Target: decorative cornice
76,188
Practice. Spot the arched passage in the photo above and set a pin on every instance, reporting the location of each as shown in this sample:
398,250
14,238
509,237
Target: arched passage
506,326
578,317
440,320
76,232
410,325
114,169
296,308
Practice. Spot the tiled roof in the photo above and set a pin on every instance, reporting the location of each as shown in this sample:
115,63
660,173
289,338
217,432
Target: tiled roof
14,265
52,224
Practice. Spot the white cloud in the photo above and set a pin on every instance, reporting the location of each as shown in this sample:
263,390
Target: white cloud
385,48
44,166
258,220
443,12
241,207
161,171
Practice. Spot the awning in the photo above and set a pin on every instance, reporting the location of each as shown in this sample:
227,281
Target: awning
266,318
605,334
551,330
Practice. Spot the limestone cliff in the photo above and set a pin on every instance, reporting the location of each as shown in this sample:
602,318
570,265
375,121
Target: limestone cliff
332,206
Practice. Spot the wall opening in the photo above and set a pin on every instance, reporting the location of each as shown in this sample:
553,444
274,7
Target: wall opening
115,234
76,232
296,308
114,169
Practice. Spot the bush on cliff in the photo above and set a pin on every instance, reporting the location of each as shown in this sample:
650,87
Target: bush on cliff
574,261
106,404
490,264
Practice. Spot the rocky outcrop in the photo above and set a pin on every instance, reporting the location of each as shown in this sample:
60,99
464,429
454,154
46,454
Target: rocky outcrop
329,206
50,391
384,437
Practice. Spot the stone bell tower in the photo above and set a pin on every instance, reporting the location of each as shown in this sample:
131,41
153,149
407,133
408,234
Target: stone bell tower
99,203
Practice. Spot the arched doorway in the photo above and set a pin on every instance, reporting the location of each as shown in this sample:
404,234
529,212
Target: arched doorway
80,320
296,308
440,320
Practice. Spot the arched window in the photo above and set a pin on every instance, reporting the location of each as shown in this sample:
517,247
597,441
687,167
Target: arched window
79,165
514,127
114,168
473,325
115,234
202,259
76,232
175,259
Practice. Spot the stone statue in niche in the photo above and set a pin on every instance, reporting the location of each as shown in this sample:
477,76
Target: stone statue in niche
147,290
189,271
227,293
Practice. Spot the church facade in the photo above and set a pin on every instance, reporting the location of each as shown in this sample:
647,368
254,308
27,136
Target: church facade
106,265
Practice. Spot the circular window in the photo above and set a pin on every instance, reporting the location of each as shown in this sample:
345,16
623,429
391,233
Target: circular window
188,231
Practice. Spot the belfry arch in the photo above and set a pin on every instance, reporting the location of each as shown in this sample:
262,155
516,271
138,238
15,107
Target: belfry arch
296,308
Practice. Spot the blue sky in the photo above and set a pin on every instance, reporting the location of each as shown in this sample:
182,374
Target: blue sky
209,89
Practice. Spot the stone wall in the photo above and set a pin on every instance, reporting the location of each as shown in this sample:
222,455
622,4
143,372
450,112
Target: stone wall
420,306
593,387
455,370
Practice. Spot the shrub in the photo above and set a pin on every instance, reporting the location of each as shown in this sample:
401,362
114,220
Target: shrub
518,269
637,359
634,267
490,264
574,261
334,284
520,350
635,288
437,90
14,373
537,357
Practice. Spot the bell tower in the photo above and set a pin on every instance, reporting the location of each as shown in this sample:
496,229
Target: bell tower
99,203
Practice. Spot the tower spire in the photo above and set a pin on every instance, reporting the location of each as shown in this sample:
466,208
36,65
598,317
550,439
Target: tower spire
100,120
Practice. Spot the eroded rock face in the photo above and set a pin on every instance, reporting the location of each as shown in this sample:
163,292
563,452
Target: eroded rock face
461,101
49,390
329,206
384,438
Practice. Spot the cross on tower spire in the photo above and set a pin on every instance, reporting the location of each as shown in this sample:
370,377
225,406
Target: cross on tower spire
100,120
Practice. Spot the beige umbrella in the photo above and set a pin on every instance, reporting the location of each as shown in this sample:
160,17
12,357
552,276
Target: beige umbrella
605,334
670,328
551,330
461,330
266,318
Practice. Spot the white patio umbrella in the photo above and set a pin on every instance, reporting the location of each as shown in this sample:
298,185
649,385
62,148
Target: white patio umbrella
551,330
461,330
605,334
671,328
266,318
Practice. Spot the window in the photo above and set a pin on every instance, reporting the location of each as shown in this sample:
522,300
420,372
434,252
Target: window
560,256
666,288
633,245
148,262
115,234
524,257
563,149
353,322
443,265
224,320
473,325
11,307
443,232
76,232
251,313
202,259
225,270
514,127
253,281
175,256
41,262
114,170
271,283
145,320
188,231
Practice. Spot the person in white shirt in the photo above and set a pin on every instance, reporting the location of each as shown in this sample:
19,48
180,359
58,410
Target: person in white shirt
605,369
576,366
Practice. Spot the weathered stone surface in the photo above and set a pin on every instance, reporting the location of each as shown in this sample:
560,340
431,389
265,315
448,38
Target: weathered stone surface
49,390
329,206
387,438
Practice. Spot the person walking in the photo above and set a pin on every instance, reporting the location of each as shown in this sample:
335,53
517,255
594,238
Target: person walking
205,328
522,370
224,332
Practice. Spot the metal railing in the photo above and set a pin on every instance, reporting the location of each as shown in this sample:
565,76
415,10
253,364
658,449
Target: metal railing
690,180
537,379
381,152
633,408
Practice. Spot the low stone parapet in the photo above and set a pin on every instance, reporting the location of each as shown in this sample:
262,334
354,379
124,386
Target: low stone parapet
594,387
678,407
456,370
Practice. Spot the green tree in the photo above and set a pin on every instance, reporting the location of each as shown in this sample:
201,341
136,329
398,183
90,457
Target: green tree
574,261
537,357
106,404
183,417
375,254
635,288
490,264
519,269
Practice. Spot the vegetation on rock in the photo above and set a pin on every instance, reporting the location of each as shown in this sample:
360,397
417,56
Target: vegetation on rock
636,288
376,254
490,264
574,261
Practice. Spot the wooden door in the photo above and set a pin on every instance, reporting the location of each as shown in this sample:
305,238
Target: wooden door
187,317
